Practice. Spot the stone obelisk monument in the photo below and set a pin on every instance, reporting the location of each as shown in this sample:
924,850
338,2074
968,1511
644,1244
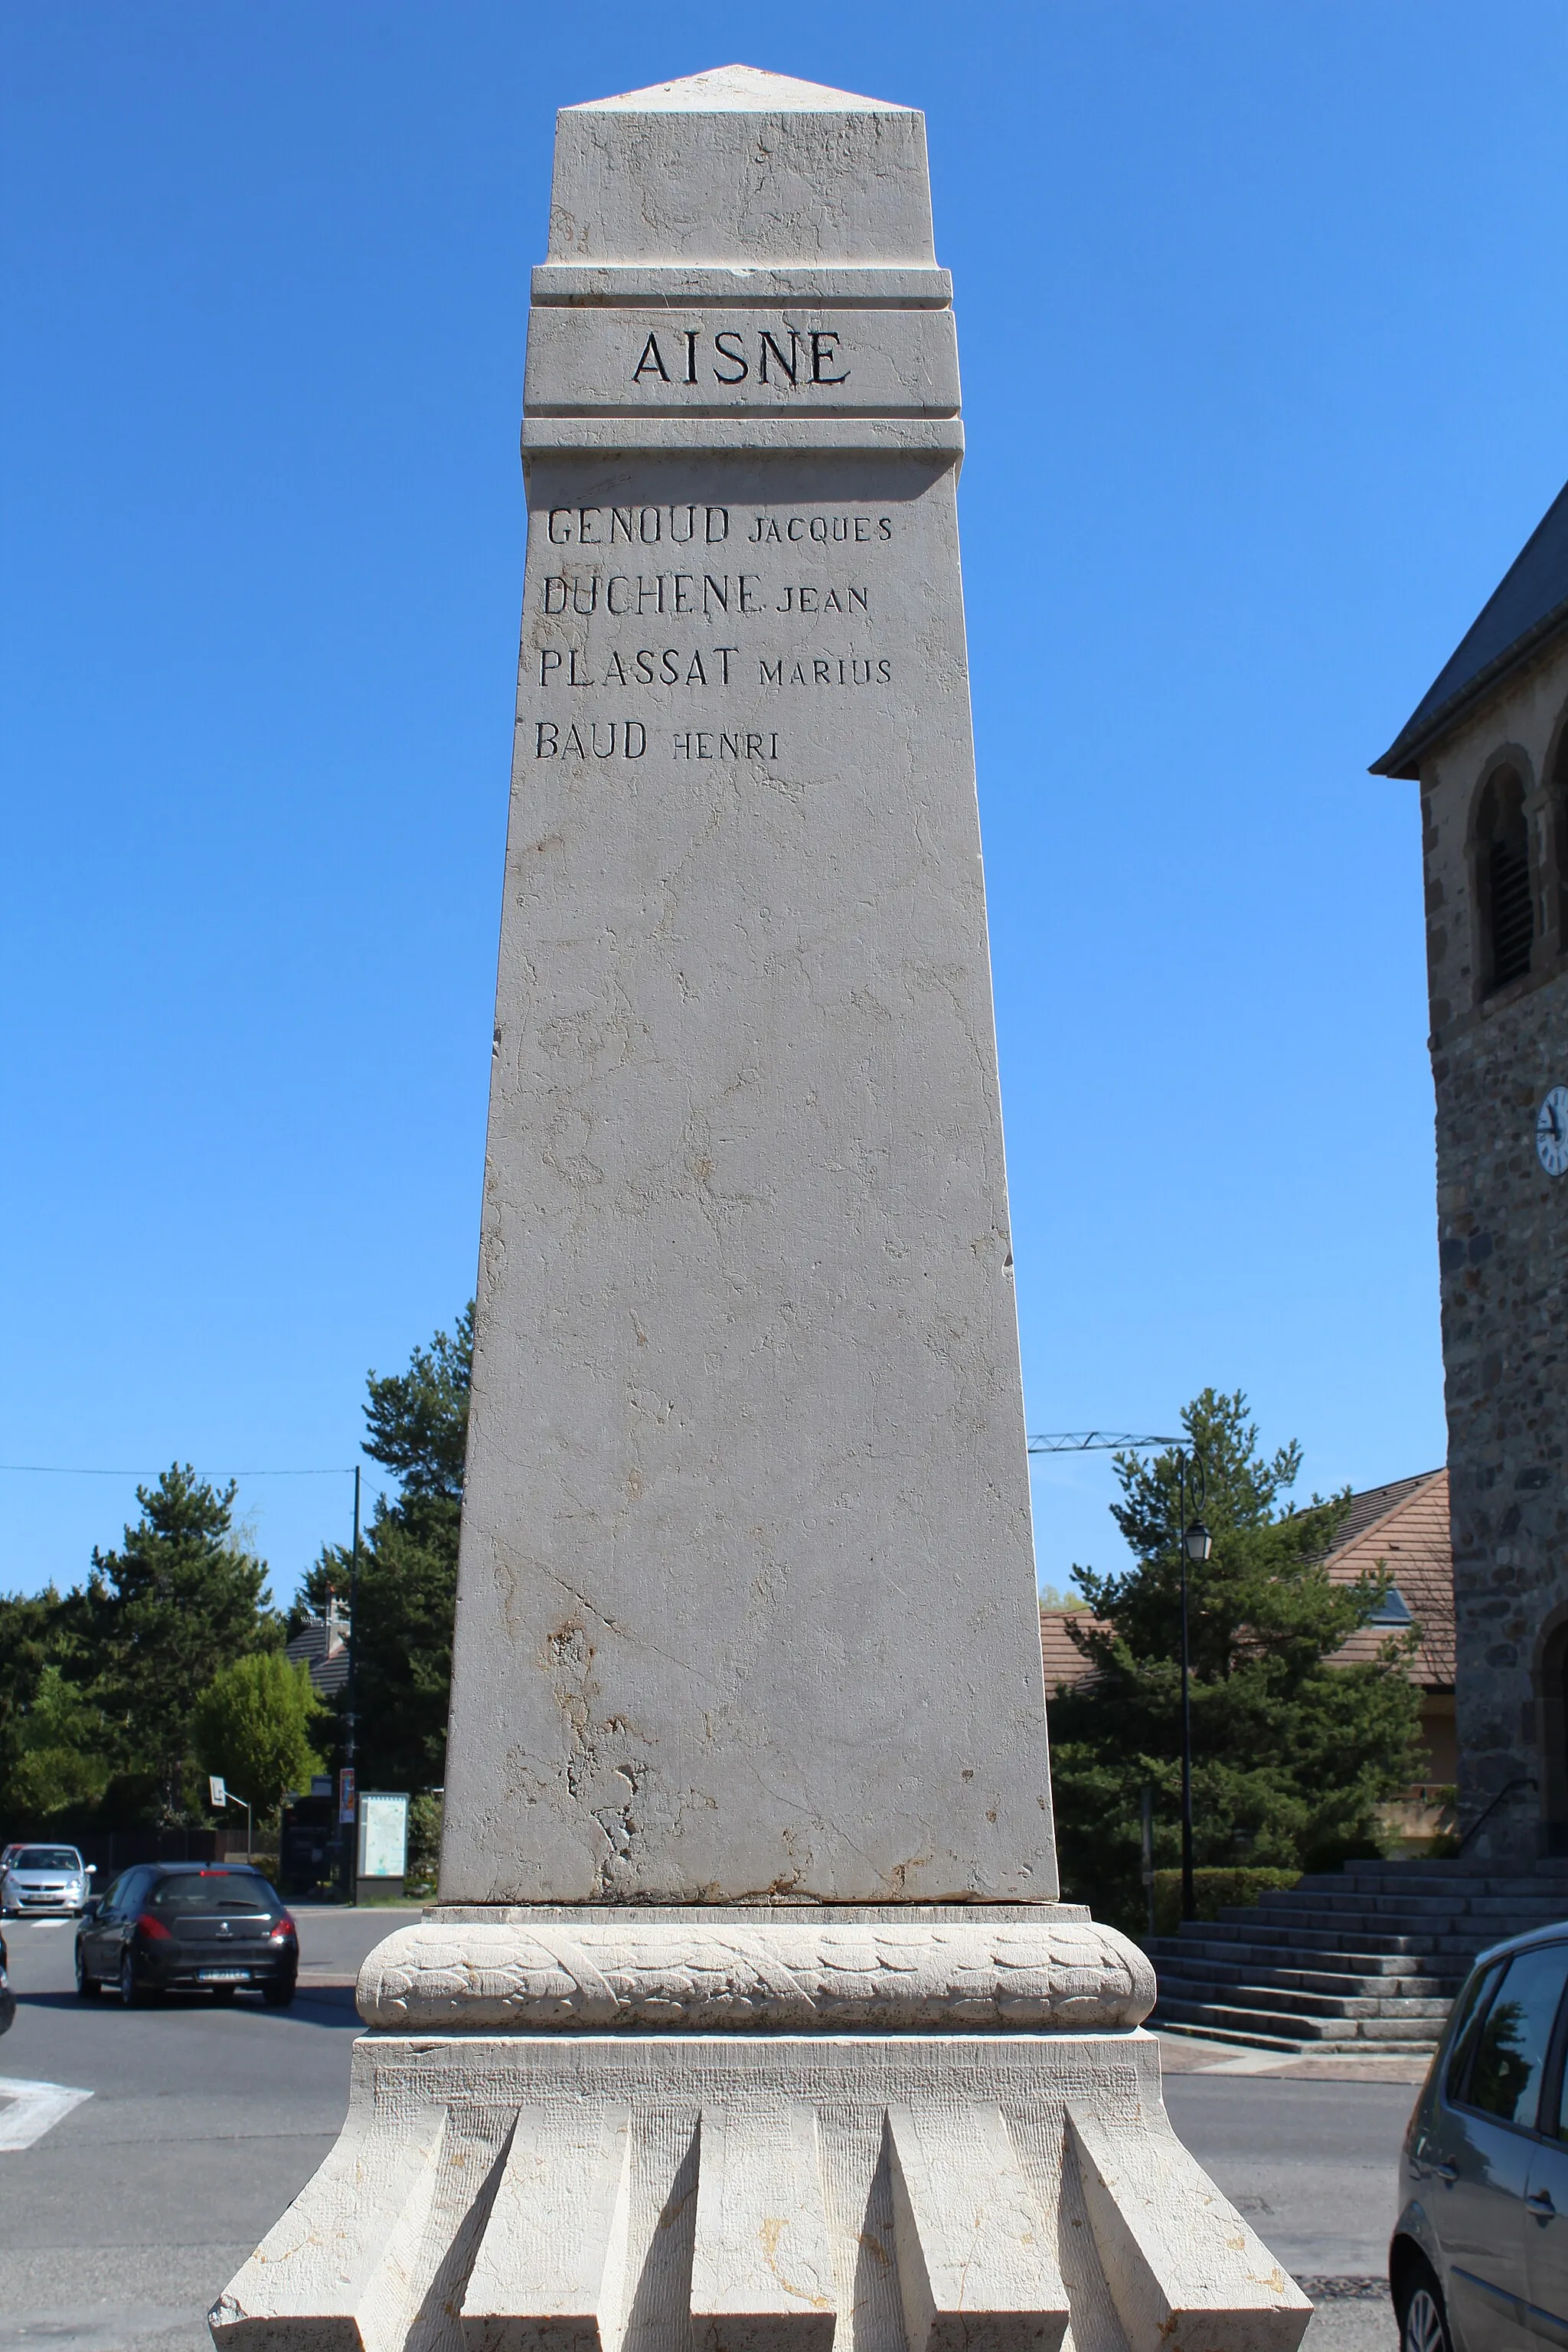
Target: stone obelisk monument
749,2018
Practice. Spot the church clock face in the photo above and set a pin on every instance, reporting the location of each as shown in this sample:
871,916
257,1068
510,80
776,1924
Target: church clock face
1551,1132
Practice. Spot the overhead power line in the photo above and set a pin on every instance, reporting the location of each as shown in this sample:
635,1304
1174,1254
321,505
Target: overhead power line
72,1470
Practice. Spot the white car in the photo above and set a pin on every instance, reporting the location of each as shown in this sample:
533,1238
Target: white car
43,1881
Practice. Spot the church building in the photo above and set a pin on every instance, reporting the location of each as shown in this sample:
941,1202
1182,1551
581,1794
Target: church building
1489,747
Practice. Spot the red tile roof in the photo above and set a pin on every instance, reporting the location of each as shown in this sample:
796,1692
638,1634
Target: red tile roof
1409,1535
1404,1525
1065,1663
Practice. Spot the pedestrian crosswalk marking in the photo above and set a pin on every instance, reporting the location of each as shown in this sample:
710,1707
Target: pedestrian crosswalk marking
28,2110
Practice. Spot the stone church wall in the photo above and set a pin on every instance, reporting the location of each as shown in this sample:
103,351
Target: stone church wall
1503,1251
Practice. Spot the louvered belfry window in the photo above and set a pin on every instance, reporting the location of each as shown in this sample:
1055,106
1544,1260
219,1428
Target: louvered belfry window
1503,874
1513,925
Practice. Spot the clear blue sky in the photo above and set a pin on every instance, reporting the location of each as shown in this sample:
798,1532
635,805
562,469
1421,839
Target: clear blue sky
1263,328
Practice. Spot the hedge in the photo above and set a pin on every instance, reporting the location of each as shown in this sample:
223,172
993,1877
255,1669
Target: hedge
1215,1891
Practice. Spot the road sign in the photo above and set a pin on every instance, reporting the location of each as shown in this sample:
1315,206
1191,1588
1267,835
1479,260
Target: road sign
217,1791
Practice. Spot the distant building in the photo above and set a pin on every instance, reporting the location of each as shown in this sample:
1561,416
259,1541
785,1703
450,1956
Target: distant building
1489,747
1405,1527
323,1645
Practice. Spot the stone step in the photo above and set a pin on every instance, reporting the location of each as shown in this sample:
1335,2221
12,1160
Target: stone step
1284,1950
1374,1954
1411,1918
1297,2000
1461,1934
1247,2040
1372,1935
1350,1984
1244,1928
1230,2018
1289,1902
1440,1875
1225,2018
1448,1967
1465,1890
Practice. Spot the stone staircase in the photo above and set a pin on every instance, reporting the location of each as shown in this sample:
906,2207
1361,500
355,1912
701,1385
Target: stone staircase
1373,1954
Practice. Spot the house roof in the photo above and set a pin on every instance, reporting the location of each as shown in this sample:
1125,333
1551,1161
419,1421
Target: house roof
322,1649
1404,1525
1529,606
1409,1534
1065,1661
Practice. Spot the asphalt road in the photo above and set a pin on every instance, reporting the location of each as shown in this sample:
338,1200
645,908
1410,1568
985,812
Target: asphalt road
1311,2165
120,2226
122,2221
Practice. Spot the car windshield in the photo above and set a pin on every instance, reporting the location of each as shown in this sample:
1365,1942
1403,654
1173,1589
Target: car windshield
216,1890
46,1857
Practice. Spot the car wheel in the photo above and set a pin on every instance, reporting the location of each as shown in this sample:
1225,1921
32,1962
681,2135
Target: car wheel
87,1986
279,1996
1423,2322
132,1994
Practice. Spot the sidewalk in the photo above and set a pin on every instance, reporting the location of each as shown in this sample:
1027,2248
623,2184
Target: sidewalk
1191,2054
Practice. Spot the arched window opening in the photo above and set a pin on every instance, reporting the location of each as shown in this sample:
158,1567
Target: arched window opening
1554,898
1550,1679
1502,875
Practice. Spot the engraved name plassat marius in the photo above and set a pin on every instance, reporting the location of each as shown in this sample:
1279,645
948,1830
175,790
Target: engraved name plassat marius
707,595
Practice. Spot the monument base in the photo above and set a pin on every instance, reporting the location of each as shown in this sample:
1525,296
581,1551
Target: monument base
636,2192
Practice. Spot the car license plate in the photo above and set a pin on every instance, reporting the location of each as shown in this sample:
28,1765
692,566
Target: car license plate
223,1976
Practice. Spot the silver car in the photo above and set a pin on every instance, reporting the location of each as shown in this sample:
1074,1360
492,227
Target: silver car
1478,2261
43,1881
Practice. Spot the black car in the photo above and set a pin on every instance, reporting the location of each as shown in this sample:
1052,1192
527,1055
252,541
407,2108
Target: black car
213,1926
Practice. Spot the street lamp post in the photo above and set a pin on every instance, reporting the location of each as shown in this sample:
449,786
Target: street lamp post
351,1714
1196,1544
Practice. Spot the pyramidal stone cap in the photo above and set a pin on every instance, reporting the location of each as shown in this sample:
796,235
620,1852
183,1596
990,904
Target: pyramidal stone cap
739,166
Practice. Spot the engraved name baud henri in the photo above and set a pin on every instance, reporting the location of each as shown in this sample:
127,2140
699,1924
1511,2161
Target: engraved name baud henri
804,360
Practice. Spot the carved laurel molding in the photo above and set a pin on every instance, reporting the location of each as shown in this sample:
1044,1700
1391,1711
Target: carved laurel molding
583,1971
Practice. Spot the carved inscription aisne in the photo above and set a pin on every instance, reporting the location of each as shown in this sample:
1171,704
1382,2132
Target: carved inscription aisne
780,356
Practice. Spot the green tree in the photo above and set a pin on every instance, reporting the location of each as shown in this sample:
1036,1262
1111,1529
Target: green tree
253,1723
418,1424
64,1765
57,1751
29,1641
162,1616
1291,1754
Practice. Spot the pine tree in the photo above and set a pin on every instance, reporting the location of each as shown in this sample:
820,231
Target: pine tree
31,1643
1291,1754
161,1616
408,1586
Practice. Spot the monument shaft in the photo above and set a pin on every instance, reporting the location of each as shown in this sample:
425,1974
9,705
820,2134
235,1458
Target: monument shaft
747,1595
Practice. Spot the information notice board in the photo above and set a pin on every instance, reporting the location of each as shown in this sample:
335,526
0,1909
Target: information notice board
383,1834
